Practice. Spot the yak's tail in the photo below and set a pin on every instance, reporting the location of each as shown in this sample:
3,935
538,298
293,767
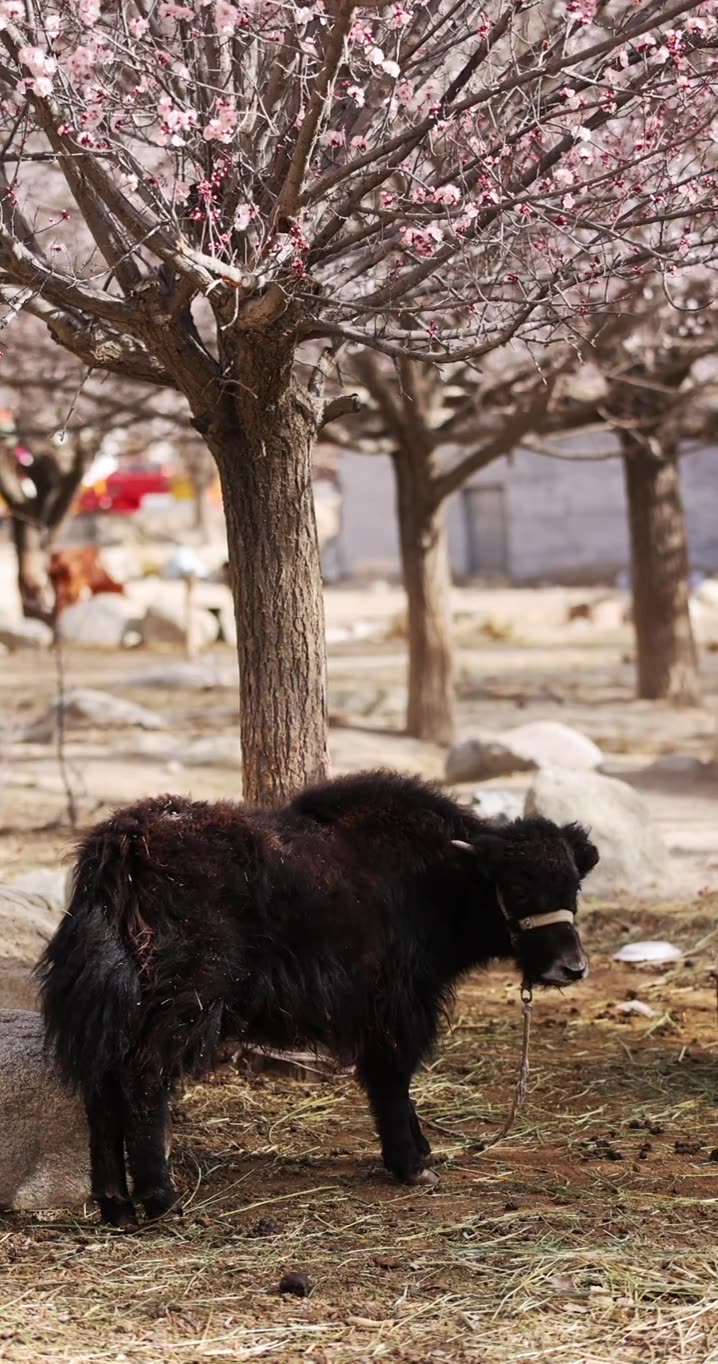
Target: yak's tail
89,984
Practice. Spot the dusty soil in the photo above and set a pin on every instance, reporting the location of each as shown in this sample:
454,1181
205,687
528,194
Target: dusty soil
586,1237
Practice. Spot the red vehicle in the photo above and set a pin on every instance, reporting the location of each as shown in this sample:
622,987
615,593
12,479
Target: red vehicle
122,491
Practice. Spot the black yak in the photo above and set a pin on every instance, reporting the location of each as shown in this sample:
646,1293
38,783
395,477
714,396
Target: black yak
342,920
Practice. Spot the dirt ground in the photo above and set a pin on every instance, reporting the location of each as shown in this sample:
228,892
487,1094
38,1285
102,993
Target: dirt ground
586,1237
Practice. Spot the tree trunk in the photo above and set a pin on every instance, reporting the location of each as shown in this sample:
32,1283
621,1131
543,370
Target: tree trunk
427,581
666,652
32,580
265,469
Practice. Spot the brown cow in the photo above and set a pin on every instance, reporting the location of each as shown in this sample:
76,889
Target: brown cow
78,573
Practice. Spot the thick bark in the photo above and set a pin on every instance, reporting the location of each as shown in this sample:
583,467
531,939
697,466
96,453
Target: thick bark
427,580
32,580
262,442
666,654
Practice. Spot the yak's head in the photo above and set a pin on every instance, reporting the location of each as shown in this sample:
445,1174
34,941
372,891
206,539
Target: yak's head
537,868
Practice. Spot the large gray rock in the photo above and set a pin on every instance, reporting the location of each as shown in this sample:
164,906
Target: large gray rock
167,624
633,855
83,706
44,1144
541,743
107,621
483,757
24,634
214,750
18,986
47,882
27,922
184,677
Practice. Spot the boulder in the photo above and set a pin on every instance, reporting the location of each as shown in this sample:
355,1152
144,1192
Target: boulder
18,987
85,707
707,592
483,757
185,677
214,750
167,624
541,743
27,922
107,621
49,883
633,855
499,806
24,634
44,1144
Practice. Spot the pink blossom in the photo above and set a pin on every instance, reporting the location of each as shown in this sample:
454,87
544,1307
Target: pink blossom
243,217
401,15
138,26
169,10
358,95
223,126
227,17
41,86
175,122
11,11
88,12
446,194
391,68
81,61
52,25
37,61
376,56
332,138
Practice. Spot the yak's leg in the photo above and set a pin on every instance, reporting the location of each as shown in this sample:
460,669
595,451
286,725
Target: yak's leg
422,1144
403,1144
107,1153
147,1127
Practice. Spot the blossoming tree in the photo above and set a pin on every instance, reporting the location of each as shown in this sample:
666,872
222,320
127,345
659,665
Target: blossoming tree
250,181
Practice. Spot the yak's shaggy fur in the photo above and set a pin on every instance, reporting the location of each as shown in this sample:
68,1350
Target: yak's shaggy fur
342,920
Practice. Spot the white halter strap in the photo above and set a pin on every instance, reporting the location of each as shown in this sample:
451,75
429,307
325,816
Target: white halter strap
552,916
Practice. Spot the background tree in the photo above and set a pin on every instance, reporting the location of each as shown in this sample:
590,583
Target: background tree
415,177
652,388
439,427
59,416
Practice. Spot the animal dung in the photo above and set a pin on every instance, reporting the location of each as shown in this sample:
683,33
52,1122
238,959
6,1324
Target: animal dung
297,1283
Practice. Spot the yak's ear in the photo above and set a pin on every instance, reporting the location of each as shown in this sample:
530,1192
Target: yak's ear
585,853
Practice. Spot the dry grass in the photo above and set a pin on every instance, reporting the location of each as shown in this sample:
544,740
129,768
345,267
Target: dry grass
572,1241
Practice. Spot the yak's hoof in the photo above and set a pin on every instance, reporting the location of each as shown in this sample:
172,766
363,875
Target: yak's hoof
426,1178
161,1204
118,1212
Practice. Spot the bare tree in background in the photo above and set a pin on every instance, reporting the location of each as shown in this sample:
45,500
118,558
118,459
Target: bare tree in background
59,415
416,177
654,385
440,427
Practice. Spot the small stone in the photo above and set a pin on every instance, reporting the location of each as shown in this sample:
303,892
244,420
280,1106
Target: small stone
297,1283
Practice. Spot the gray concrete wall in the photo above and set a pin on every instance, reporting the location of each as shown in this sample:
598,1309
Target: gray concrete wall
561,517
